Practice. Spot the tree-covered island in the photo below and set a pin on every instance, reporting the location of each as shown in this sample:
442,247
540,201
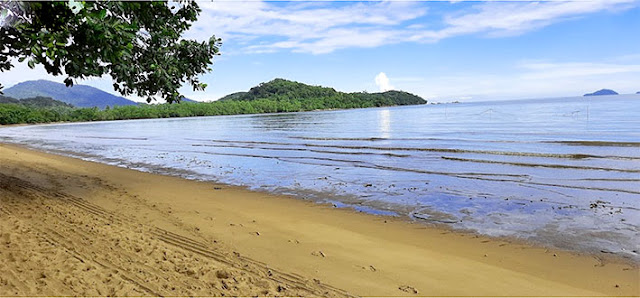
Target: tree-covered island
275,96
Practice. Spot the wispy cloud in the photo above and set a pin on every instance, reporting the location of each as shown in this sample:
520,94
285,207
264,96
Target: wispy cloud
549,71
315,27
514,18
321,27
532,79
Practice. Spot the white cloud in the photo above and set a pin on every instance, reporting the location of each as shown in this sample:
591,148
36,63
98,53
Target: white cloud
531,79
320,27
382,81
513,18
310,27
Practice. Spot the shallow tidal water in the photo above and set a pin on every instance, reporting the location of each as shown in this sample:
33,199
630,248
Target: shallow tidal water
562,172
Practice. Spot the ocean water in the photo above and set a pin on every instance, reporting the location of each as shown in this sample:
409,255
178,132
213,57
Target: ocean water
562,172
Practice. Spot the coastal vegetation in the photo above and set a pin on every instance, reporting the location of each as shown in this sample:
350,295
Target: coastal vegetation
276,96
36,102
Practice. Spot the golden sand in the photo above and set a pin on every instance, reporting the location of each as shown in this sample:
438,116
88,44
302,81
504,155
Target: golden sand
70,227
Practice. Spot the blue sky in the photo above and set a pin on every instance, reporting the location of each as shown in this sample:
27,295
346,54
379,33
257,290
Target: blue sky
442,51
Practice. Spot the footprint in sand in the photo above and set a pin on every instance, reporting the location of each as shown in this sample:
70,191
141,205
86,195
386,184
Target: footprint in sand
370,268
222,274
318,253
408,289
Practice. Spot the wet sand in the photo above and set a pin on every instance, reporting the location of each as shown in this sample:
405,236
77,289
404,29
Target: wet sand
70,227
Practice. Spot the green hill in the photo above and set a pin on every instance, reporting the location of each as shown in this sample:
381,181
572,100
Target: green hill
5,99
37,102
78,95
234,96
322,97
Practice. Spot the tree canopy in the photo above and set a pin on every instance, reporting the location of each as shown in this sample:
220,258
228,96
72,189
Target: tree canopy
318,97
35,102
138,44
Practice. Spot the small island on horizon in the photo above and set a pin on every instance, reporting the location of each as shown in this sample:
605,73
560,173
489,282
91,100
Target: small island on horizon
602,92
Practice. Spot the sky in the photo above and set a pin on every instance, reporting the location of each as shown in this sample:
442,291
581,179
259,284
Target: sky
440,50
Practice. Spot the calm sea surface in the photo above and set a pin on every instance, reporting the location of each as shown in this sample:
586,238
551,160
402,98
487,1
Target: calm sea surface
562,172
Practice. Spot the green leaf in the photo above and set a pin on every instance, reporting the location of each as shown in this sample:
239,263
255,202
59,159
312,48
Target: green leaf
35,50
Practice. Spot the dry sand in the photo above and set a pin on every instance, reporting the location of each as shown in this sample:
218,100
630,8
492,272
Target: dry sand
70,227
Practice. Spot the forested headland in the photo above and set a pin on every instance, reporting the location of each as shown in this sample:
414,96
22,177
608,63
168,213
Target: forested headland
276,96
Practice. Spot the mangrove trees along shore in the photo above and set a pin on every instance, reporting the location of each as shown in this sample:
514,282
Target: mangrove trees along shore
272,97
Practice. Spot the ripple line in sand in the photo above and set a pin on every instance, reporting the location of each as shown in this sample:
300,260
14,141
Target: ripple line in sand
111,138
443,150
597,143
302,149
522,164
374,139
610,179
362,164
562,185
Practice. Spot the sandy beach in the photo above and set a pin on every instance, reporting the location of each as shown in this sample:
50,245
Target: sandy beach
75,228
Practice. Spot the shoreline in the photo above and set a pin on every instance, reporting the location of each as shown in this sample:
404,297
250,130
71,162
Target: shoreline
198,116
361,254
437,220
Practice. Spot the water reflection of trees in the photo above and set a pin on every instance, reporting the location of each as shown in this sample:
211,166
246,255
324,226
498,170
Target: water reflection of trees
290,121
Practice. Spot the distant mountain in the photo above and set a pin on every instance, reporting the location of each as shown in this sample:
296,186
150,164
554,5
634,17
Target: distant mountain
78,95
602,92
638,92
286,90
38,102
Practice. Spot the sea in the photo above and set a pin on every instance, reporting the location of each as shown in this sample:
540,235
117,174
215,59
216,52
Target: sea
561,172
